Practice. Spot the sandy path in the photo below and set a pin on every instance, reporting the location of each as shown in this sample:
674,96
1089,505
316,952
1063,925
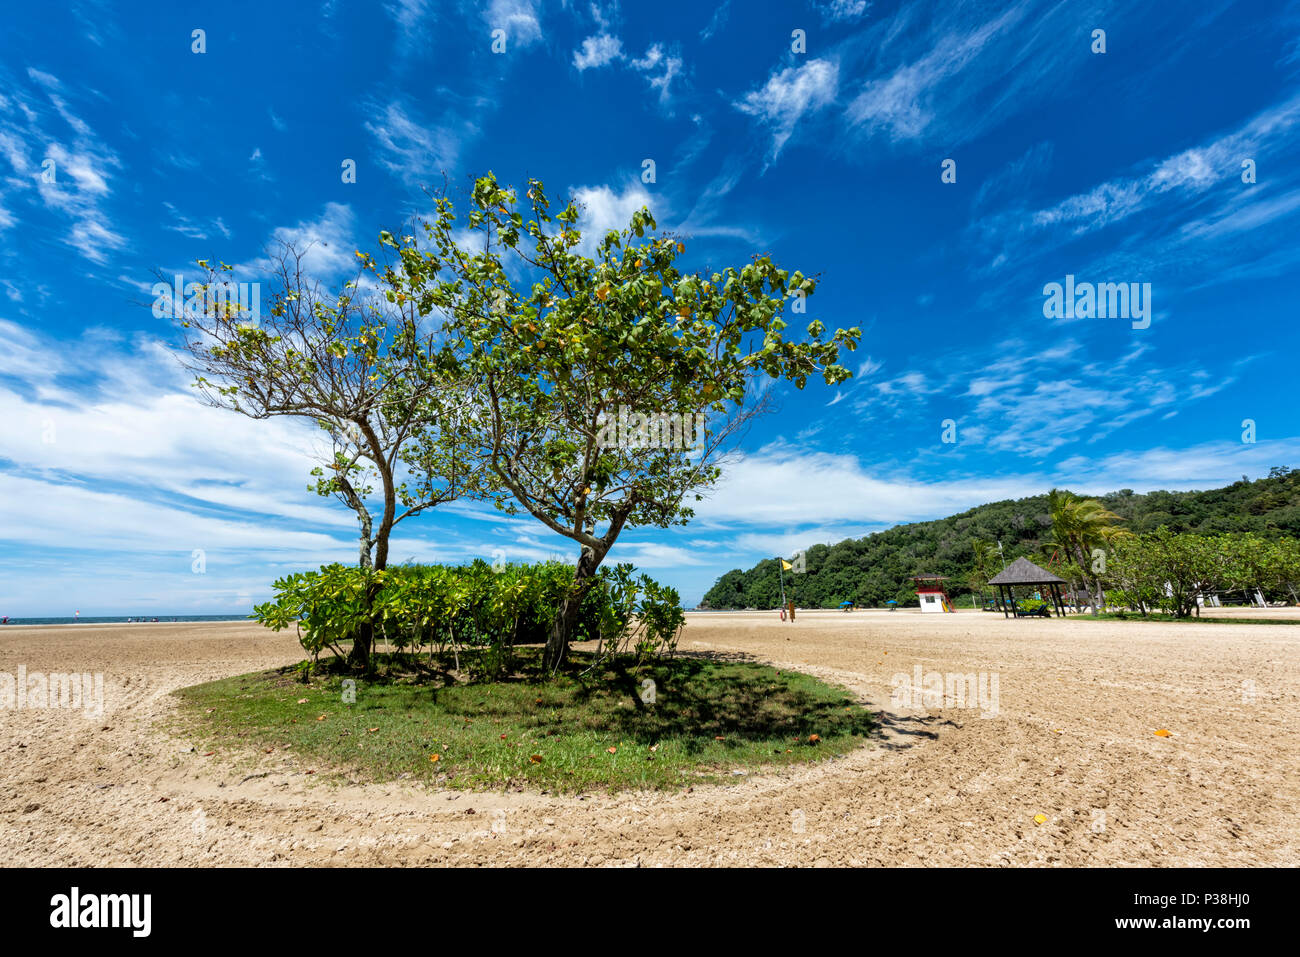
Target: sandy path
945,786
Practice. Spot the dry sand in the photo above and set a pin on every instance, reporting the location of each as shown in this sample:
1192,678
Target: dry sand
1073,740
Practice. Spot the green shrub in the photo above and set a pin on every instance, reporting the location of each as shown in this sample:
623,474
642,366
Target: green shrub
445,609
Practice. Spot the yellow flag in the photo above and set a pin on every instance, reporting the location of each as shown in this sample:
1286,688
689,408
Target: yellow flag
786,565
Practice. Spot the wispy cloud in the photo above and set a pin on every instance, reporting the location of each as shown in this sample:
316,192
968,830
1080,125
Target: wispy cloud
843,11
518,18
69,168
412,148
716,22
327,243
789,95
903,103
661,69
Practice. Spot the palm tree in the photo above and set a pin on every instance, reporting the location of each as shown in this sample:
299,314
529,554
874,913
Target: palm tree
1079,526
985,565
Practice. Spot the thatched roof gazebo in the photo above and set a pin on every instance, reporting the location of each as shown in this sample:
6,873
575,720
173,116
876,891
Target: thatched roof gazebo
1024,572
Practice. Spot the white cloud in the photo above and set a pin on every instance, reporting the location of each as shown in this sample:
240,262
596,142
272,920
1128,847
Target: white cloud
793,489
843,11
128,459
328,245
598,51
781,485
180,223
899,103
717,21
82,166
782,102
412,150
1191,172
408,14
604,209
869,367
661,69
518,18
938,72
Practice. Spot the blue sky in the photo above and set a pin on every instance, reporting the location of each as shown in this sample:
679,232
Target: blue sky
1122,166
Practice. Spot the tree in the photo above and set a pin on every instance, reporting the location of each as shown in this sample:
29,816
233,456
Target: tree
1172,569
985,565
1250,564
612,385
1287,565
1079,527
367,372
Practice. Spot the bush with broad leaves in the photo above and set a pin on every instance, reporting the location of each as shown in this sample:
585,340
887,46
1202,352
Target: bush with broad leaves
444,610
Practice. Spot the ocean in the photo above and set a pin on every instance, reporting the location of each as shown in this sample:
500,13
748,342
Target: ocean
122,619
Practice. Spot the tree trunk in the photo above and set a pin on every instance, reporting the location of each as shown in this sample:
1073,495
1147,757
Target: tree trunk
1089,583
566,616
365,639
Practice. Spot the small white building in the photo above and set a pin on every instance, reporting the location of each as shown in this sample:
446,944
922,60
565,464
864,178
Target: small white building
931,594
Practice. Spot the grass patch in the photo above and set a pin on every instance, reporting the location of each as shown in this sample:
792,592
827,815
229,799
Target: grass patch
1157,616
573,732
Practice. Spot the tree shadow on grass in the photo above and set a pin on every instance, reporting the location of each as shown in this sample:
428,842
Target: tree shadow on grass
893,732
700,700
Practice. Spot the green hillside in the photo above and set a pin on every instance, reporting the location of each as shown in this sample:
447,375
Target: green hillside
877,568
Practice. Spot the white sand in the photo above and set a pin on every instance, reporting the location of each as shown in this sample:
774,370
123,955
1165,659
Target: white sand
1073,740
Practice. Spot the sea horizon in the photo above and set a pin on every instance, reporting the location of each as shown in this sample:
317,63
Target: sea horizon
120,619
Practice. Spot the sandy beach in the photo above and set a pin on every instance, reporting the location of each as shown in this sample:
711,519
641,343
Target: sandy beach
1072,738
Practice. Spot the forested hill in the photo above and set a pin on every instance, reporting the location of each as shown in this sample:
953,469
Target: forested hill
875,569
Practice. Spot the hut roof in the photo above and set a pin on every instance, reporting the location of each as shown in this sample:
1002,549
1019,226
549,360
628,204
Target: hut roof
1024,572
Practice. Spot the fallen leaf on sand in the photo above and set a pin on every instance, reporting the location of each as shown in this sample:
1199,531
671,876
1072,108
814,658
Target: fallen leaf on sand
1162,733
1040,818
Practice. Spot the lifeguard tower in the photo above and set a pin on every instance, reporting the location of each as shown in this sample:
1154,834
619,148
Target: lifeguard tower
931,593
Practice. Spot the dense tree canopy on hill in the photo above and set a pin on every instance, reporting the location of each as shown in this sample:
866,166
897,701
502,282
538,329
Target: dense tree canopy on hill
873,570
